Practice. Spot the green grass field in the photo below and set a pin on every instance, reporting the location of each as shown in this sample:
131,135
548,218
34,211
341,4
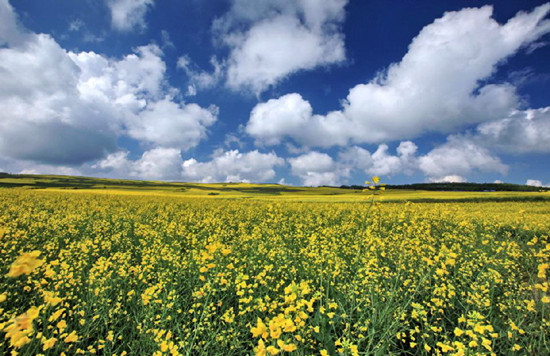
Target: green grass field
251,191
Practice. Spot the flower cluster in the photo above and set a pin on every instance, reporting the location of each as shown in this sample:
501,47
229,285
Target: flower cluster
169,275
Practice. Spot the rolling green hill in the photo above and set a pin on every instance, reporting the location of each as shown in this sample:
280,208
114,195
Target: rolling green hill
413,192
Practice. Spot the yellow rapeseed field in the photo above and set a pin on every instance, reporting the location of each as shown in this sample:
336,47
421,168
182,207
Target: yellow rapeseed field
129,274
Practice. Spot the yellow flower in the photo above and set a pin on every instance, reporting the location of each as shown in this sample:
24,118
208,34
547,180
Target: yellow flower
25,264
444,347
62,325
259,330
275,331
49,272
458,331
375,179
72,337
18,329
486,344
3,297
480,329
324,352
289,326
427,348
545,299
56,315
48,344
542,270
50,298
272,350
19,339
260,349
286,347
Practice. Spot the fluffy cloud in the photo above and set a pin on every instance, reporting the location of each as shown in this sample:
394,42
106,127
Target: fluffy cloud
533,182
357,158
9,31
458,157
449,179
157,163
43,118
522,131
200,79
25,167
67,108
271,121
435,87
388,165
262,34
449,162
381,163
128,14
117,162
315,169
143,101
169,124
233,166
166,163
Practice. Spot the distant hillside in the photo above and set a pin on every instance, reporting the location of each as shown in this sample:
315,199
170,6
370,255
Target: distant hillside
463,187
38,181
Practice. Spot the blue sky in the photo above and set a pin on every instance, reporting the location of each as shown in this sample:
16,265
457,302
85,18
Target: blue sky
306,92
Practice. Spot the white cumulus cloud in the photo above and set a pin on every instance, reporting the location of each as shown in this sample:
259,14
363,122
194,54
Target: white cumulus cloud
200,79
169,124
458,157
65,108
233,166
25,167
449,162
522,131
158,163
269,40
449,179
316,168
533,182
127,15
9,29
437,86
43,117
271,121
381,162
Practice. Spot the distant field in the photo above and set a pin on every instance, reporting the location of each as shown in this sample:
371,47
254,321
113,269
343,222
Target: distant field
251,191
111,267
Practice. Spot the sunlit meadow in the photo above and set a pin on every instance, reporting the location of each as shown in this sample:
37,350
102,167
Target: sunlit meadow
117,274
